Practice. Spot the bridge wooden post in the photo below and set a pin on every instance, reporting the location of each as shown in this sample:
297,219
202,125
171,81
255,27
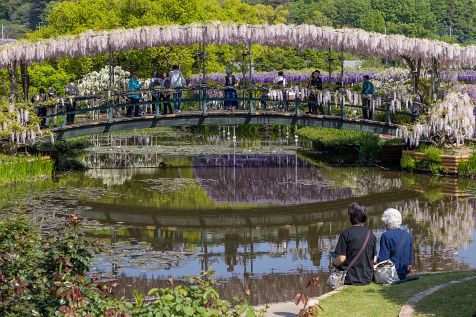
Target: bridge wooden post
63,116
250,99
157,106
296,110
342,108
204,101
110,107
388,114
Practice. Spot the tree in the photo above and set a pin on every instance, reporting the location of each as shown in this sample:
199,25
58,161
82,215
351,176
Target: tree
408,17
302,12
45,76
21,16
346,12
373,20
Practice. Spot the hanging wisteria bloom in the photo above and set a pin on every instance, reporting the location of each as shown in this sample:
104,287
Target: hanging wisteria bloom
354,41
19,123
450,121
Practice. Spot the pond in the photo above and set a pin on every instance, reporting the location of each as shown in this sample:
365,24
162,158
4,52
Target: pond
262,217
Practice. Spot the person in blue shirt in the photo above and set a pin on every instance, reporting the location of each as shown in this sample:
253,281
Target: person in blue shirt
368,92
134,96
396,244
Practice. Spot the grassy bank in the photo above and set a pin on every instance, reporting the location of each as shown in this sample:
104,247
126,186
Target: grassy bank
19,169
458,300
378,300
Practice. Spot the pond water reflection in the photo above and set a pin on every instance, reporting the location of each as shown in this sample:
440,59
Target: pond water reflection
264,223
262,217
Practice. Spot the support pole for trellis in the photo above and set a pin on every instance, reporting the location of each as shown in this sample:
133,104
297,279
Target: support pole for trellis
342,69
252,110
12,74
203,91
243,75
110,101
434,79
25,79
329,67
203,55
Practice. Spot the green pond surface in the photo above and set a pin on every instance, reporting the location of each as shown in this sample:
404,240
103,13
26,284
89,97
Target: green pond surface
172,204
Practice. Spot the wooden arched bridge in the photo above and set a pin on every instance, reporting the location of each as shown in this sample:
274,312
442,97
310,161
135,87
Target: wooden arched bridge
107,115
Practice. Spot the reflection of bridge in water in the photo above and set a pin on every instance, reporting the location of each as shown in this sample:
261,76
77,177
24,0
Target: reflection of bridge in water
245,242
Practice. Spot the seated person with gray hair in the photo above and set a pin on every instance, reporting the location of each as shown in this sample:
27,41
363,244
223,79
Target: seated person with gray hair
396,244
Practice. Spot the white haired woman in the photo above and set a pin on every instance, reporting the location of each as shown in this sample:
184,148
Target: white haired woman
396,244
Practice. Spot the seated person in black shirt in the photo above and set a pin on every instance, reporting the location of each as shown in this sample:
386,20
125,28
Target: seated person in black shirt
350,242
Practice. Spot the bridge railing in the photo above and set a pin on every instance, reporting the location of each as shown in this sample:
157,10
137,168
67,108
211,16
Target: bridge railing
204,99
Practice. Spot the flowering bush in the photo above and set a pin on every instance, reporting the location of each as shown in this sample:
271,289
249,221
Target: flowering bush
96,82
350,77
450,121
19,123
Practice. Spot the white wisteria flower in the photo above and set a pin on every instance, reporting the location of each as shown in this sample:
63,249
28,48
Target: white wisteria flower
450,121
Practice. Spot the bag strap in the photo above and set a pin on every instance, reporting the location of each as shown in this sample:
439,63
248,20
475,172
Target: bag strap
360,251
400,245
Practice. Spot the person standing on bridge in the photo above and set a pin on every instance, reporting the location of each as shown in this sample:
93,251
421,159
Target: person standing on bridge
40,106
177,82
315,83
231,82
165,93
368,93
71,91
134,95
154,87
281,82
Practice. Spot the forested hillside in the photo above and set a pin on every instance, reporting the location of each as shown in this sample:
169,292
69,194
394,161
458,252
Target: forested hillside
21,16
451,20
421,18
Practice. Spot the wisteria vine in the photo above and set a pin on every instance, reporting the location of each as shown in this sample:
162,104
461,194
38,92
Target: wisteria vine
355,41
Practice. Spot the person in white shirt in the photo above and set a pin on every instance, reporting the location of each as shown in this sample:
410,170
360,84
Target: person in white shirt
281,81
177,82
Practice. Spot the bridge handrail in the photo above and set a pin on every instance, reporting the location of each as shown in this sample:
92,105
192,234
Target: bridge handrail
247,96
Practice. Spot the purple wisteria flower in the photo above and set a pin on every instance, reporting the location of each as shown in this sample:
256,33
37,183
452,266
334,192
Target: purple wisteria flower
352,77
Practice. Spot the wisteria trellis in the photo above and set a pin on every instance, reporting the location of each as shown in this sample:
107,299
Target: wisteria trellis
301,36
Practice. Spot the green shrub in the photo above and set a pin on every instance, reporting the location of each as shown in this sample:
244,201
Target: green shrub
468,168
369,147
407,162
432,159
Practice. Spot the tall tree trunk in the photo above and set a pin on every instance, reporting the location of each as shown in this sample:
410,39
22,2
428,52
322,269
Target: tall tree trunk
25,79
415,69
12,74
435,79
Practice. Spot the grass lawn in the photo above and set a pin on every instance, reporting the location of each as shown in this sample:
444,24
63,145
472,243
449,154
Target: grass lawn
378,300
457,300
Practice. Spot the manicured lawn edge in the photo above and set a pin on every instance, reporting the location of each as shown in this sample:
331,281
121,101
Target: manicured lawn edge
454,300
378,300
